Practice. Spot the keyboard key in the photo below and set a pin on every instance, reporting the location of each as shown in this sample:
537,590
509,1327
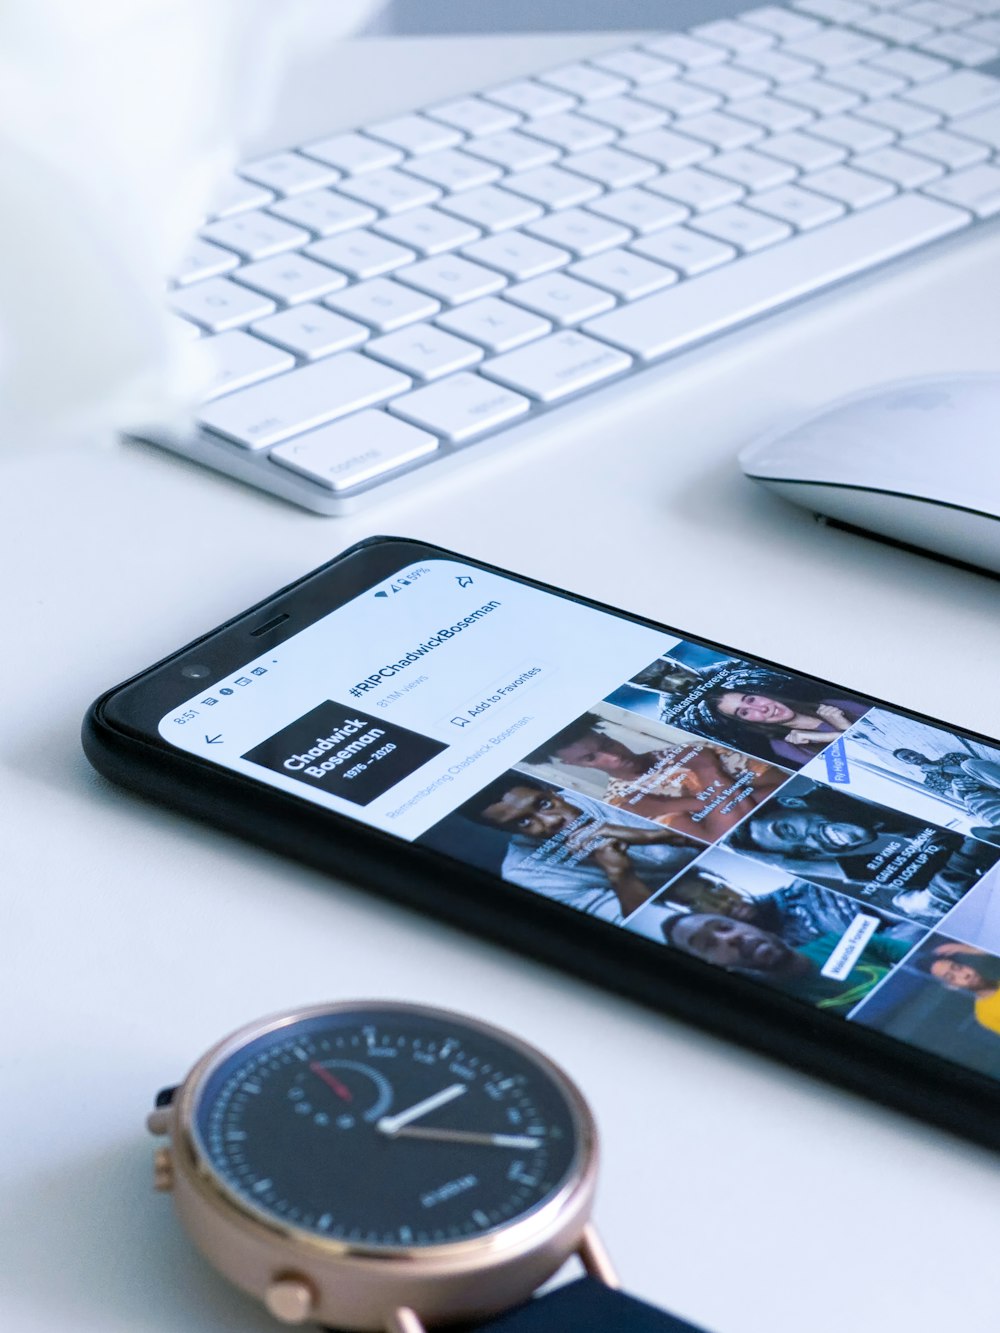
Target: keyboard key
390,191
202,260
461,407
801,208
557,366
530,99
774,114
976,188
348,453
906,170
289,173
780,22
218,304
723,131
912,65
690,52
698,190
581,233
255,235
959,94
494,324
361,254
856,189
611,167
354,153
584,81
627,115
894,28
750,287
951,150
626,275
732,83
960,48
868,82
452,279
324,212
742,227
238,196
641,210
835,47
428,230
857,136
453,170
637,66
311,332
474,116
751,170
682,98
562,299
986,30
290,278
517,255
300,400
424,351
514,151
553,187
686,251
803,151
234,360
779,69
837,11
384,304
736,37
825,98
571,133
415,134
902,117
492,209
667,149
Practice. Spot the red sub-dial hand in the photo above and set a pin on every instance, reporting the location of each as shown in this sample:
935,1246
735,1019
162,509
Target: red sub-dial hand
332,1081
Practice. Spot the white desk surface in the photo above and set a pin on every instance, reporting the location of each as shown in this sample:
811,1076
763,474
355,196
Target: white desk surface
740,1194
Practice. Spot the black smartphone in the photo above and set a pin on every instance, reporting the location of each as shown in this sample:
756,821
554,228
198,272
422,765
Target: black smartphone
770,856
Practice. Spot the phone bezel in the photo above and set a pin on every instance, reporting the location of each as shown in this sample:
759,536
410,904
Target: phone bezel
121,739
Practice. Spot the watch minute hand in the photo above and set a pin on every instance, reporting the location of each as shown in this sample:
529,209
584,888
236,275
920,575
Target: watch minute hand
471,1136
389,1124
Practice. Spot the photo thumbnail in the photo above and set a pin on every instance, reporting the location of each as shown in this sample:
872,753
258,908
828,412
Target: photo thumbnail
775,715
881,857
723,884
931,773
647,768
808,942
563,845
945,999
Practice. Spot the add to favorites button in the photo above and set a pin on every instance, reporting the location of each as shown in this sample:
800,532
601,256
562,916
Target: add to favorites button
850,947
498,692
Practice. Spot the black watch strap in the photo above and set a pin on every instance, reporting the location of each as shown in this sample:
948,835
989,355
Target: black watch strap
586,1306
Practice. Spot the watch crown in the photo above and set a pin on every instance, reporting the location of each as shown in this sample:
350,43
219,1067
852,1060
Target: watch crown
163,1170
290,1298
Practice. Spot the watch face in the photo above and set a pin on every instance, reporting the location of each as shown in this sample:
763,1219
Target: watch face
387,1127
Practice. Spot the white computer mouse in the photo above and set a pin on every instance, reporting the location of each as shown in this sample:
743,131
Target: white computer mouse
915,462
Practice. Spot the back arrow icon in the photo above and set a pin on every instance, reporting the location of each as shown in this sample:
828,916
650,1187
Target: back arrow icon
214,740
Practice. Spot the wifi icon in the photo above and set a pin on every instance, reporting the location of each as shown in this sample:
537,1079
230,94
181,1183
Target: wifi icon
381,594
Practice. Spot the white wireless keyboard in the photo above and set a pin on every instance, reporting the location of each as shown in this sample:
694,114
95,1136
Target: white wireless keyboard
380,302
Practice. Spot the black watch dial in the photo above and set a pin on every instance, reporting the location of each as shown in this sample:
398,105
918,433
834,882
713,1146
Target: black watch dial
387,1127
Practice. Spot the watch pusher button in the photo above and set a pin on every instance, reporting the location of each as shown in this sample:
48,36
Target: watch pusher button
163,1170
291,1298
158,1121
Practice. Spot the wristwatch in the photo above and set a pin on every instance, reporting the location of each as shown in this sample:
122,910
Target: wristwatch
387,1166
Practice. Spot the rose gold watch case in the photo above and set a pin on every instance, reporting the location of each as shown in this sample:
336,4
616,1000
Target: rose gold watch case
355,1287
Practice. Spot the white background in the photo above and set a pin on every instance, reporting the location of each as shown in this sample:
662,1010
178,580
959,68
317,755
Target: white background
744,1196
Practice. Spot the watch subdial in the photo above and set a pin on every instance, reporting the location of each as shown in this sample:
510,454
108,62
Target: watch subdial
340,1094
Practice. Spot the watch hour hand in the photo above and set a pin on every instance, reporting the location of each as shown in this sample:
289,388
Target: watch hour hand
391,1124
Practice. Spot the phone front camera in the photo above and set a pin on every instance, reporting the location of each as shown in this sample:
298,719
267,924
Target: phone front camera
196,672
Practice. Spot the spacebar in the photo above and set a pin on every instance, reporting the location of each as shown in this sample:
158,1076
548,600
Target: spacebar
745,288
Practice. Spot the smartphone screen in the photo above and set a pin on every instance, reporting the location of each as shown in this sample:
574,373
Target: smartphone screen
832,849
